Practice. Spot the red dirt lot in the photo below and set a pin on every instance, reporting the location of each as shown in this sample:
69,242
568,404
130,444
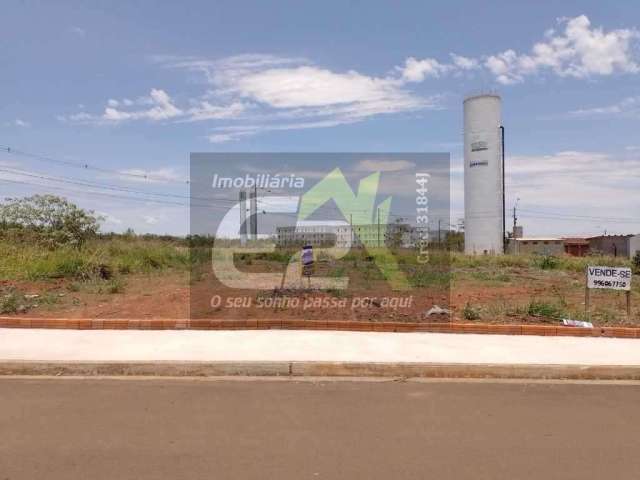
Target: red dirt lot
171,295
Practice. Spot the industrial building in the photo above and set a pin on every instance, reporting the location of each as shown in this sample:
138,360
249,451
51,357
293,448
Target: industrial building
611,245
536,246
343,235
307,233
615,245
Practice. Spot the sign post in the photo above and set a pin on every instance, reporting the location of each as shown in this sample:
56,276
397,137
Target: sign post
587,298
609,278
307,262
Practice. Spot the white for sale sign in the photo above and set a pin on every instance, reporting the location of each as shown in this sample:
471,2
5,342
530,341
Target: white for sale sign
614,278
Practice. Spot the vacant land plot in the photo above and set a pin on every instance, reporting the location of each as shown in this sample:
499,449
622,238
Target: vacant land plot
152,278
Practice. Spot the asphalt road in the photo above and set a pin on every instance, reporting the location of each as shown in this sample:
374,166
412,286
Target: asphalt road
93,429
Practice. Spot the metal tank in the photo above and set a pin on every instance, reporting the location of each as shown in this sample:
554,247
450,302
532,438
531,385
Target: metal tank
483,175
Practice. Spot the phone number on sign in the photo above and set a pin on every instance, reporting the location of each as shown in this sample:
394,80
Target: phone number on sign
422,216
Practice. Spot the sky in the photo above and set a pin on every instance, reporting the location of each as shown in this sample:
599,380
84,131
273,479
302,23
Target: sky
129,89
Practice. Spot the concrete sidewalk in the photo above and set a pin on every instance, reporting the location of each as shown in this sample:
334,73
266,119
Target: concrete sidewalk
315,352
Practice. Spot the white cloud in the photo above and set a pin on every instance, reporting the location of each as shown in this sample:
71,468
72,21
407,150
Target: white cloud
222,137
150,220
576,180
256,93
371,165
417,70
226,134
581,51
204,110
81,32
157,106
266,93
578,183
162,108
628,107
80,117
17,123
465,63
303,89
110,219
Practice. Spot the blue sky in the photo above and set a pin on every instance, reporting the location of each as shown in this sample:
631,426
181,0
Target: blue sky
134,87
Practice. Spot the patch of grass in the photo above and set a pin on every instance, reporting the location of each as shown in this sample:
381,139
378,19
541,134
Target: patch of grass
48,299
426,277
279,256
10,302
491,276
546,262
24,261
336,292
512,261
545,310
470,313
74,286
337,272
115,285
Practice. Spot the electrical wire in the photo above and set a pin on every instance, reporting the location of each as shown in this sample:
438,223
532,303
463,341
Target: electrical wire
87,166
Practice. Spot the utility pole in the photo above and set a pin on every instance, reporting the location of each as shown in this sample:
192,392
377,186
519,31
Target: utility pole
515,248
243,217
515,216
439,244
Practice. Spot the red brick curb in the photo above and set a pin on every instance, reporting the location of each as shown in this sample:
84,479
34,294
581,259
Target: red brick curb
205,324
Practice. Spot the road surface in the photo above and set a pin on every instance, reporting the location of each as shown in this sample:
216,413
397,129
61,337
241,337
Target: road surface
257,429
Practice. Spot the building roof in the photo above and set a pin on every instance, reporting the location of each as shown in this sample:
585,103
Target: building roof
575,241
539,239
612,236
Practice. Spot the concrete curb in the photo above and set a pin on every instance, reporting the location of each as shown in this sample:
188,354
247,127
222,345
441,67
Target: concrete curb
287,324
321,369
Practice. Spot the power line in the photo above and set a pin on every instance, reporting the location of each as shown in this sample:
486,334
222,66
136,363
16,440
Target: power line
553,215
87,166
106,186
102,194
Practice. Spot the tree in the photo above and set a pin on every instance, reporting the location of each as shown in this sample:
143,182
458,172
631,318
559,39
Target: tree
53,221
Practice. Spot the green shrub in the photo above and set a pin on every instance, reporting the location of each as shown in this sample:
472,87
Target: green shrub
545,310
48,220
470,313
546,262
10,303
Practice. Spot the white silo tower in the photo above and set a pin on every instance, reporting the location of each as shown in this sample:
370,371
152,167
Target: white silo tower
483,175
